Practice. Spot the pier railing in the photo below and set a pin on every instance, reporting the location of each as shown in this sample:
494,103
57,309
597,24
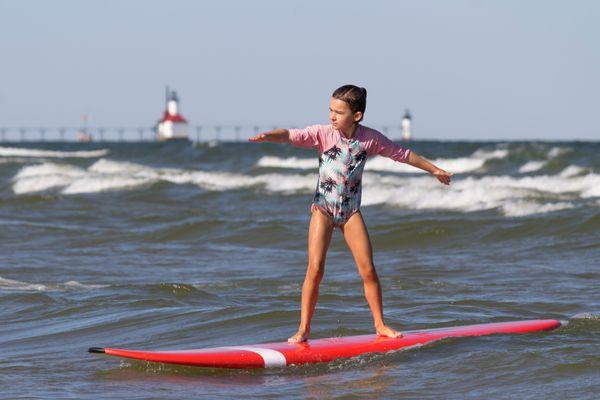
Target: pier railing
197,133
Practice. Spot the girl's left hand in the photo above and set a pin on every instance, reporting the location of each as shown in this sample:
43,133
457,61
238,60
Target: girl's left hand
442,176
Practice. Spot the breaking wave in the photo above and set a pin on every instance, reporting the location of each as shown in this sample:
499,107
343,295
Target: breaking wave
512,195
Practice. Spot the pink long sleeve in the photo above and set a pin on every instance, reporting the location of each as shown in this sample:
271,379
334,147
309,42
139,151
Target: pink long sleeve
323,136
307,137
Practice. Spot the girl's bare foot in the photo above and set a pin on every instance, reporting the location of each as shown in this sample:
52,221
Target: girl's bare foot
300,336
386,331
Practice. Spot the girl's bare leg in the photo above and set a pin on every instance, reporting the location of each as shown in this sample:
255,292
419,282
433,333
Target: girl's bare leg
319,237
357,237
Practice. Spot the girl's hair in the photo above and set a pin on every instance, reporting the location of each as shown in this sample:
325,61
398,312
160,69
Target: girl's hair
355,96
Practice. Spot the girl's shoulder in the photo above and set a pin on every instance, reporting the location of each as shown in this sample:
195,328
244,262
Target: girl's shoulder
328,137
369,138
322,136
375,142
369,134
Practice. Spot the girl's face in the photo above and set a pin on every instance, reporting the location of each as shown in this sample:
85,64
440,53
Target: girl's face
341,116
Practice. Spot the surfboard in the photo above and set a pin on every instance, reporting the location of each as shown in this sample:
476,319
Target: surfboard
282,354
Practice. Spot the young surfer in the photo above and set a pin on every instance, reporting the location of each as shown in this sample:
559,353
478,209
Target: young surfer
344,147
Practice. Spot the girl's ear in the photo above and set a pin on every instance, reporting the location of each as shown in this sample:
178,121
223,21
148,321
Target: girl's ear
358,116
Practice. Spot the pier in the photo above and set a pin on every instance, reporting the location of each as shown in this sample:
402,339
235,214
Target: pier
197,133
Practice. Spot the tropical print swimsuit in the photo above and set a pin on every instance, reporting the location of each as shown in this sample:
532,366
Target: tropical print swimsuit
341,165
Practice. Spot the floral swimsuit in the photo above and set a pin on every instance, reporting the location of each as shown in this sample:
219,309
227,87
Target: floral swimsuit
341,165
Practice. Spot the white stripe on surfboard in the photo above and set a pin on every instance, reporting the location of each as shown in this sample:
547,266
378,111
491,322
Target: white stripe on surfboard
272,358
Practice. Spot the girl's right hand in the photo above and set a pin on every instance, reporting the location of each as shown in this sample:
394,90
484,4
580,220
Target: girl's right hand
261,137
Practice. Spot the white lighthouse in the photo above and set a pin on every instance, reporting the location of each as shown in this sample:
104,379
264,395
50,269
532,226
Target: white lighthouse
172,126
406,120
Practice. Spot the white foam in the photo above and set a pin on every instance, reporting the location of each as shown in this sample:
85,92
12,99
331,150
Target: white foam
591,191
456,165
210,180
105,175
587,315
11,284
522,208
42,177
554,152
48,169
79,285
288,183
512,196
490,154
572,170
102,184
532,166
227,181
558,151
291,162
21,152
104,166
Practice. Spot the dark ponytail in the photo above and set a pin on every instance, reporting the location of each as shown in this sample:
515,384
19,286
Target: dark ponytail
354,96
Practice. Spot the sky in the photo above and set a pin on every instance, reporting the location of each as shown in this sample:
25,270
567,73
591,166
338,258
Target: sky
473,70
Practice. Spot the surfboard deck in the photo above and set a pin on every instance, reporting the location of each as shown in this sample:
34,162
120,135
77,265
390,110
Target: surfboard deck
281,354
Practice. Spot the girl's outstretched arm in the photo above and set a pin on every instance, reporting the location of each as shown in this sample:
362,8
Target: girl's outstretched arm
417,161
278,135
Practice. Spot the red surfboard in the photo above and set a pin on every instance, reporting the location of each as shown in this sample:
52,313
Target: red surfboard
269,355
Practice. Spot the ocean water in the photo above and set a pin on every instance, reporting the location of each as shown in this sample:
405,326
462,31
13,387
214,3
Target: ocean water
181,245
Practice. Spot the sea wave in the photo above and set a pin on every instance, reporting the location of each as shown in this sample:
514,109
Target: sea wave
15,285
513,195
106,175
22,152
532,166
573,170
42,177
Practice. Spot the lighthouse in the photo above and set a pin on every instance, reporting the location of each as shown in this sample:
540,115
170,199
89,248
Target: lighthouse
406,120
172,126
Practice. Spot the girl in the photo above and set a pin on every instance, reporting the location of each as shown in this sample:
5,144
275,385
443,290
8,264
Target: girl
344,147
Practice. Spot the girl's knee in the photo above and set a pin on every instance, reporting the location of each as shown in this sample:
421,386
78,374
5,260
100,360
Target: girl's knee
315,271
368,274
